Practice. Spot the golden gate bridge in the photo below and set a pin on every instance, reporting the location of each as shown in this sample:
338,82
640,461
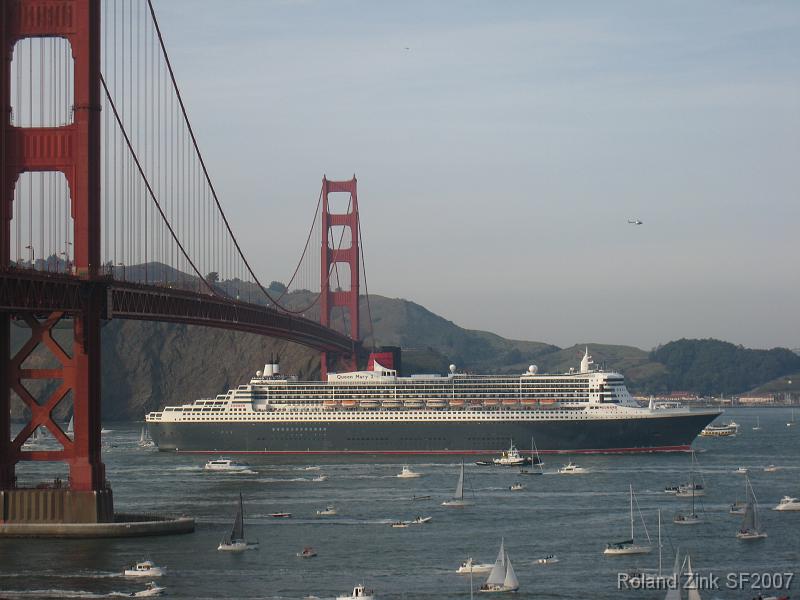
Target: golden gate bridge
109,212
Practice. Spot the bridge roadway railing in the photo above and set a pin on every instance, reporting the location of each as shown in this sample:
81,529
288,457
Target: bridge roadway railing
23,290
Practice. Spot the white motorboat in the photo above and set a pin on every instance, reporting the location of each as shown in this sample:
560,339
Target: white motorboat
771,469
457,501
516,487
359,593
146,568
150,591
788,503
226,464
328,511
751,524
742,471
235,540
400,524
509,458
407,473
470,566
420,520
320,478
630,546
502,577
547,560
571,469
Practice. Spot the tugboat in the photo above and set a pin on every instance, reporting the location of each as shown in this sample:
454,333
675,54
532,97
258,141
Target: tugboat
509,458
359,593
407,473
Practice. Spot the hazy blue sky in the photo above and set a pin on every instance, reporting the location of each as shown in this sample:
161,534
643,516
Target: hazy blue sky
500,157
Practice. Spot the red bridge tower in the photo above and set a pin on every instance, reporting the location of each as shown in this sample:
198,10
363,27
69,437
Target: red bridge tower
333,254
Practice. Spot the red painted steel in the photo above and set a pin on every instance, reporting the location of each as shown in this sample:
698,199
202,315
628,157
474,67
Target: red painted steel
331,254
73,150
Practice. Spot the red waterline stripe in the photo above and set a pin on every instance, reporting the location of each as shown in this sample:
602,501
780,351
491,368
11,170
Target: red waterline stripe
441,452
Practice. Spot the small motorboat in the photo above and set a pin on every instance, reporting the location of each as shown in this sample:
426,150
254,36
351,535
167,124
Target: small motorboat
571,469
359,593
771,469
400,524
788,503
738,508
418,498
690,490
516,487
470,565
742,471
671,489
688,519
407,473
419,520
547,560
308,552
150,591
280,515
328,511
146,568
320,478
226,464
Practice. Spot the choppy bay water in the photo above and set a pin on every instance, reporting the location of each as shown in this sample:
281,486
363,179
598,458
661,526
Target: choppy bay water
570,516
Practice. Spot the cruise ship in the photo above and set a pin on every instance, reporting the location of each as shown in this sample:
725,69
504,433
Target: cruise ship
587,410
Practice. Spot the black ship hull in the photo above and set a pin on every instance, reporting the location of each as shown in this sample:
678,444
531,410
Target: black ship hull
647,433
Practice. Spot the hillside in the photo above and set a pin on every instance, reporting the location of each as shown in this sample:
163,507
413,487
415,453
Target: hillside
148,365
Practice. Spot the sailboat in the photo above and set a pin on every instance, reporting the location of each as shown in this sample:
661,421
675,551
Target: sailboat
675,585
144,439
71,425
457,501
235,541
537,461
691,518
629,546
757,426
751,524
502,578
692,586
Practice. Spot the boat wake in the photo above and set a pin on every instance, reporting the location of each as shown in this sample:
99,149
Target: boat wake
58,593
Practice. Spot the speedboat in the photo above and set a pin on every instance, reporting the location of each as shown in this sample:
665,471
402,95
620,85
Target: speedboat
788,503
359,593
571,469
516,487
741,471
320,478
146,568
329,511
771,469
419,520
308,552
281,515
150,591
407,473
400,524
547,560
225,464
470,565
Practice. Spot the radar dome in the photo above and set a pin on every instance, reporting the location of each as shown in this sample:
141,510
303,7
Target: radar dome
533,369
452,368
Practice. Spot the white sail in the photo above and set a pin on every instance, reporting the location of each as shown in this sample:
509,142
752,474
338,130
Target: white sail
459,495
749,520
71,425
674,593
498,574
511,582
142,437
691,582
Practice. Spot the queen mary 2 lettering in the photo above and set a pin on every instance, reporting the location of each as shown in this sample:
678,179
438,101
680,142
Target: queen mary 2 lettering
378,412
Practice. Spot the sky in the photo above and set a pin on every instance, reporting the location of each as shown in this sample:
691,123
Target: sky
501,148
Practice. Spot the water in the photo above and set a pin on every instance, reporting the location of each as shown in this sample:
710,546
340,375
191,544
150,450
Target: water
569,516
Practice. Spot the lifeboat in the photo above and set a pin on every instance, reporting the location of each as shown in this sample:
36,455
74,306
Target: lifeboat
436,403
391,403
413,403
490,402
330,404
456,403
510,402
529,402
348,403
369,403
547,401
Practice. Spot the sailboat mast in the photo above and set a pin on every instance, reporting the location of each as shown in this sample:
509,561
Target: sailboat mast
659,543
241,515
631,487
